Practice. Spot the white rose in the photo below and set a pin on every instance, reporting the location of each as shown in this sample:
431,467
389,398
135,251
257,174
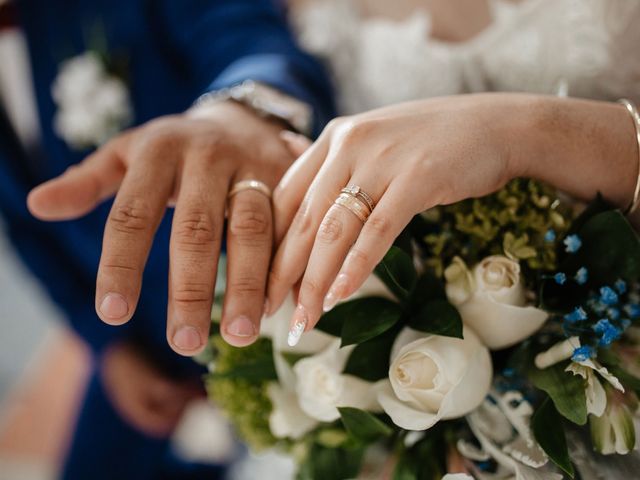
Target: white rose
322,387
287,420
494,304
432,378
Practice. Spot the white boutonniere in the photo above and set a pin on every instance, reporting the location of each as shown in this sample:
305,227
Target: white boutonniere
93,104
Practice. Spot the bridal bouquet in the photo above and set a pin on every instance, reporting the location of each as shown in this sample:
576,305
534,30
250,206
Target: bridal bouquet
495,334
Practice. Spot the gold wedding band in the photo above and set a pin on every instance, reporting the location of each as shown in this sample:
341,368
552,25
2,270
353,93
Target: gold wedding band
256,185
356,206
357,192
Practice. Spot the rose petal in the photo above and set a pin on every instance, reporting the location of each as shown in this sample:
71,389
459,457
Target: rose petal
402,414
499,325
287,418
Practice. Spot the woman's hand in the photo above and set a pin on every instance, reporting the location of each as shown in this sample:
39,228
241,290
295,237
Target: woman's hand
413,156
407,158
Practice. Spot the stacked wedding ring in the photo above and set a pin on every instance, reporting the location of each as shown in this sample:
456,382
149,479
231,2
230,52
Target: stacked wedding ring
361,194
256,185
354,199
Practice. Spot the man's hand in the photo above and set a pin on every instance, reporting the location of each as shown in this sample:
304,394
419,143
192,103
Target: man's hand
192,161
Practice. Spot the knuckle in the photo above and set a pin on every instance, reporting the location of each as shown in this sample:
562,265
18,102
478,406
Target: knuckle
249,220
303,221
379,226
276,276
192,296
330,229
355,131
130,216
247,286
309,287
196,230
358,258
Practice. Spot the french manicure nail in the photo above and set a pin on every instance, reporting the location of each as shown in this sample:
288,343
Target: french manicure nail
114,306
299,324
335,292
187,338
329,301
241,327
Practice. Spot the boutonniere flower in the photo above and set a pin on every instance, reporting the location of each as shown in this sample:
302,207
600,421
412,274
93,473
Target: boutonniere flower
93,104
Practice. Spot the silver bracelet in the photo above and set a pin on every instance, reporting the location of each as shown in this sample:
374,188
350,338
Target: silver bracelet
635,115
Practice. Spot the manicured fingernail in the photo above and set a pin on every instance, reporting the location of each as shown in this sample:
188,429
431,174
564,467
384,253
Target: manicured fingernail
114,306
300,321
335,292
241,327
187,338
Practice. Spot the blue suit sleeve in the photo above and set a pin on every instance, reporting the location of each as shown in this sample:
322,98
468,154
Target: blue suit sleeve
228,41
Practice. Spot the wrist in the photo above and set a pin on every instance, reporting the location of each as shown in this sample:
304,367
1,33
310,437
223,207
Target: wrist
582,147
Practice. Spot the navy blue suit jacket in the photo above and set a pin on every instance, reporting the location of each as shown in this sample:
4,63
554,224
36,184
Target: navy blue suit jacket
175,51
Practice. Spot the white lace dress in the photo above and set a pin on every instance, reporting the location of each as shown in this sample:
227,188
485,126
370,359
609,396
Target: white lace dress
582,48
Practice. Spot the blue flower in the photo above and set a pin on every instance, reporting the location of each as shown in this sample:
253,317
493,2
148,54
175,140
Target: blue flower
633,310
608,296
614,313
560,278
577,315
582,275
550,236
621,286
608,332
572,243
626,323
583,353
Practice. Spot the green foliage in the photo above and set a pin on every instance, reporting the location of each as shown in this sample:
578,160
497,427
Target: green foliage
512,221
359,320
610,251
329,463
438,317
243,400
370,360
547,427
363,426
565,389
397,272
426,459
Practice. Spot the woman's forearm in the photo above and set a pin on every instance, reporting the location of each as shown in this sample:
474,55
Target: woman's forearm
580,146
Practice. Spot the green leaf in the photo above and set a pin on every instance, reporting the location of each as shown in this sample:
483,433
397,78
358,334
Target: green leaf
428,287
405,470
438,317
370,360
363,425
397,272
610,250
331,463
332,321
366,318
259,370
546,424
565,389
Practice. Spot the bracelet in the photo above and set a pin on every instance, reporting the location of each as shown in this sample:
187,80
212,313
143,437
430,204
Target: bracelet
635,115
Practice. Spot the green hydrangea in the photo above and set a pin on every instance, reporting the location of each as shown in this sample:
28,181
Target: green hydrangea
512,222
244,401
